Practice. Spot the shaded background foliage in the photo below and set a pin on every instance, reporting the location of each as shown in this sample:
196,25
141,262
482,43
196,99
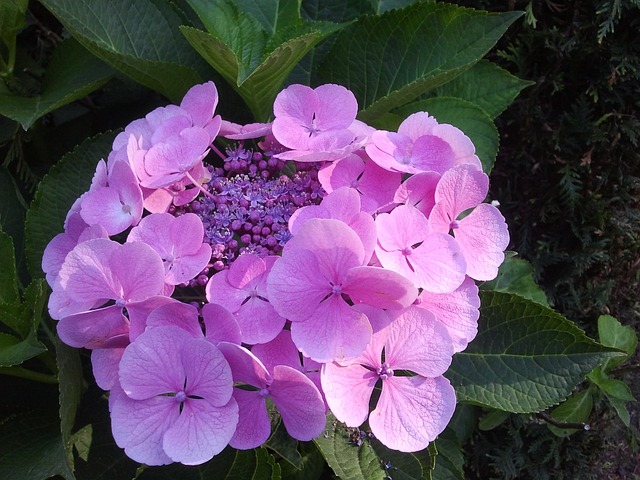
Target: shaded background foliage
567,177
568,180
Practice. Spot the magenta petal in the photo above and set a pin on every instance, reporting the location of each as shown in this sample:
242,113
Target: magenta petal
337,107
152,365
139,426
258,320
220,291
335,331
188,266
139,269
412,411
417,124
245,366
417,342
139,312
208,374
279,351
348,390
94,328
201,431
403,228
438,264
299,403
379,287
254,426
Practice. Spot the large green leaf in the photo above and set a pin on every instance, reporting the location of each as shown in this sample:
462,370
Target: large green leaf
525,358
72,74
254,55
12,212
487,85
138,37
70,386
65,182
391,59
8,275
352,454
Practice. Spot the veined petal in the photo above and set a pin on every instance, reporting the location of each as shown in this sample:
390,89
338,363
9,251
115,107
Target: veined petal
94,328
379,287
299,403
412,411
348,390
253,427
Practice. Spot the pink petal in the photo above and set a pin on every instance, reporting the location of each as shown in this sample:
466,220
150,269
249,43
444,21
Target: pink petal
335,331
337,107
299,403
220,324
201,101
139,426
139,270
93,329
418,191
348,391
461,188
258,320
201,431
139,312
412,411
404,227
415,341
245,366
379,287
104,363
483,236
176,314
458,311
254,426
279,351
417,124
221,292
208,374
152,365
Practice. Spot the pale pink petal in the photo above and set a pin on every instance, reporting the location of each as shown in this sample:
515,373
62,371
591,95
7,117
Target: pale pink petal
139,270
403,228
279,351
461,188
187,265
245,366
246,270
201,431
417,124
431,153
348,390
139,426
221,292
418,191
458,311
417,342
412,412
258,320
438,264
462,145
208,374
483,235
337,107
299,403
103,206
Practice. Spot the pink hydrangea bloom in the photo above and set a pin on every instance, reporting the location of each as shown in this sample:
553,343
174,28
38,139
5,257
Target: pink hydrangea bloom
294,395
405,245
419,191
242,289
482,235
234,131
315,123
421,144
178,241
375,185
411,410
320,266
174,402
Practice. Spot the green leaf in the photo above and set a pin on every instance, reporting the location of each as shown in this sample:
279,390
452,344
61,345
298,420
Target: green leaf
139,38
14,351
72,74
620,407
313,464
469,118
450,460
57,191
515,275
370,460
253,60
611,387
11,21
70,387
12,212
8,274
494,418
284,445
487,85
575,409
273,15
381,6
613,334
391,59
525,358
